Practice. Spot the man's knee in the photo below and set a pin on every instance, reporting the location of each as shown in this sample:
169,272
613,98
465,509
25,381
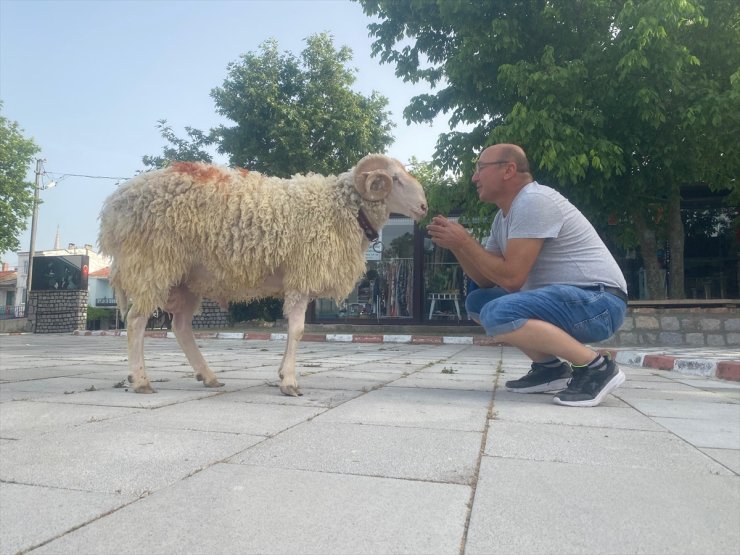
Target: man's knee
477,299
473,303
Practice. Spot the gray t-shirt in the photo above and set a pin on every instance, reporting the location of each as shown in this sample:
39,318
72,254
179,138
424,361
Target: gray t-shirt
572,254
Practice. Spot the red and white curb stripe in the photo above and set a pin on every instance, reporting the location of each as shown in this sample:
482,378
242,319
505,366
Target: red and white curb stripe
320,337
722,369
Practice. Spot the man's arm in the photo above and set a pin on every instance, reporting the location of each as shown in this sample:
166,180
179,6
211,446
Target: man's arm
509,271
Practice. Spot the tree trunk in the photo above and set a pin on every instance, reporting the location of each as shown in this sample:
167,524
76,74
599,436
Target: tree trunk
654,280
676,245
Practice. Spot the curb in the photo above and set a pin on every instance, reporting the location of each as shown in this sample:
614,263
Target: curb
317,337
721,369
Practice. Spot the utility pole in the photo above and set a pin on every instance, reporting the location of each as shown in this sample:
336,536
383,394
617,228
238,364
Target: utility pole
37,188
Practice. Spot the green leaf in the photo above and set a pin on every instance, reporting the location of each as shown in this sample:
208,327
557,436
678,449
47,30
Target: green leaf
16,194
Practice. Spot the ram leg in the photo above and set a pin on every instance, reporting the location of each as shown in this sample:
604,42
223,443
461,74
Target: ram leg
295,311
182,304
135,328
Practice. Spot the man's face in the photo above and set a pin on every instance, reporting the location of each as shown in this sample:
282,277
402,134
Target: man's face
489,174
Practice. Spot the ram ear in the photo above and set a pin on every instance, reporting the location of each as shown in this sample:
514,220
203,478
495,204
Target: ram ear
374,185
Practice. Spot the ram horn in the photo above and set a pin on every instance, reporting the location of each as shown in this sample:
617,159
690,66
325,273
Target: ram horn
373,185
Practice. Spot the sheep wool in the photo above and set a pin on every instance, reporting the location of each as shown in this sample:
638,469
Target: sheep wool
194,230
224,231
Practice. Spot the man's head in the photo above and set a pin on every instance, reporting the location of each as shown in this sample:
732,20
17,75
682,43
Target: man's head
502,170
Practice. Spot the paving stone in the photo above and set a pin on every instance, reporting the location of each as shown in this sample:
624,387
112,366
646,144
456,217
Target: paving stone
462,368
730,458
23,418
418,408
252,509
699,409
337,380
548,413
411,453
223,414
396,369
593,509
633,395
125,397
597,446
30,373
657,385
358,374
263,374
474,382
112,457
503,396
31,515
704,433
270,394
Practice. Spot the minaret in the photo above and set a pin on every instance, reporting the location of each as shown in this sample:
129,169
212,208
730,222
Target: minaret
57,240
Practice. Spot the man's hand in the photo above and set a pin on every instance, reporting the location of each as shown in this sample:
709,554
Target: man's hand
447,234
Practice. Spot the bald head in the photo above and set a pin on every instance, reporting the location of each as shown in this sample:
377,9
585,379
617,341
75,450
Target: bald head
512,153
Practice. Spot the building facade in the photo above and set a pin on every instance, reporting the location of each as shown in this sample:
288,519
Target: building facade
96,262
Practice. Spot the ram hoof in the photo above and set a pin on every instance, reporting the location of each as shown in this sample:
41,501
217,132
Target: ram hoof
290,390
213,382
144,388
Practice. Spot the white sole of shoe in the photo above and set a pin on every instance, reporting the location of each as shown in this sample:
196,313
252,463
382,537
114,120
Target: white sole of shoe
555,385
610,386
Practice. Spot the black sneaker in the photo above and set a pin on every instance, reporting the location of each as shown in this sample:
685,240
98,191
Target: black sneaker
590,387
541,379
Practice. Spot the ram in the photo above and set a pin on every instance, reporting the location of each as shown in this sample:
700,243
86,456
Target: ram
193,230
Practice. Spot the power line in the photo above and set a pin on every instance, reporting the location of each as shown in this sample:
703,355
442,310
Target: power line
63,175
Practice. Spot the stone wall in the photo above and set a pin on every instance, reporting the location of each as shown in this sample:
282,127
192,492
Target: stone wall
672,327
211,316
57,311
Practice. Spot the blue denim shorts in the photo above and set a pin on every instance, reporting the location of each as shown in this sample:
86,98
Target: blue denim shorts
587,316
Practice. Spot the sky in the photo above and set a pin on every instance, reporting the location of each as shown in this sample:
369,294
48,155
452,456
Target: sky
88,81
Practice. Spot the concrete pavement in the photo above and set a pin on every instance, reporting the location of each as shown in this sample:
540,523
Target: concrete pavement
394,448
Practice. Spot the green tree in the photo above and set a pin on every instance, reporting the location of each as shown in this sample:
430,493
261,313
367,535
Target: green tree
192,149
291,114
16,194
620,103
447,193
294,115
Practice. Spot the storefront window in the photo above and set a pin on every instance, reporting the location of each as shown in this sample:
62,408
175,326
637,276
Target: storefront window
386,290
445,284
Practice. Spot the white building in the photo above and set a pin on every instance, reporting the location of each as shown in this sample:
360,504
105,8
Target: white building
8,280
100,292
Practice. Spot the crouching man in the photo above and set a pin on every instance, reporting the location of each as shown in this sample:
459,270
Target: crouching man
548,284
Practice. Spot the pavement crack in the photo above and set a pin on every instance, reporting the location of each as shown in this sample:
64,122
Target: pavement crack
484,439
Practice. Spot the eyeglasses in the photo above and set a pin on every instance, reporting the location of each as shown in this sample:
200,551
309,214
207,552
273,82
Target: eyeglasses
480,165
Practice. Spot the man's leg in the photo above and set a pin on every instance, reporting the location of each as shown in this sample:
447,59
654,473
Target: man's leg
478,298
536,321
538,337
548,373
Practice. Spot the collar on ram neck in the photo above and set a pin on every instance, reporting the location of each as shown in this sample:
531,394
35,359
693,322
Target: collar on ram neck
366,226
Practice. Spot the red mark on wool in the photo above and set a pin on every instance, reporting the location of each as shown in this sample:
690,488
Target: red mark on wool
201,173
243,171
